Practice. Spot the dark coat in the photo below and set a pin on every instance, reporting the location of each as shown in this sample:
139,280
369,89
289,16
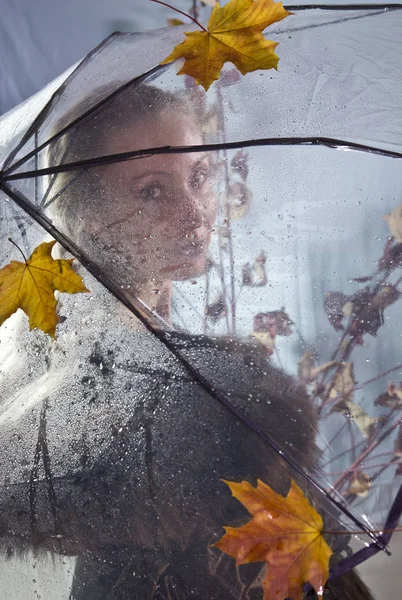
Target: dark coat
127,456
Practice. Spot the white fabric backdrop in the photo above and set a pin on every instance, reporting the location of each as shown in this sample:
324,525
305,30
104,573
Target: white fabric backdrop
39,40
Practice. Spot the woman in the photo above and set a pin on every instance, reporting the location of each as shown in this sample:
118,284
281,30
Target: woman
157,212
129,450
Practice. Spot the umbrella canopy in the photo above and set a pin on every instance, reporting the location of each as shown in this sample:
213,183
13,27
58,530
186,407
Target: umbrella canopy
242,251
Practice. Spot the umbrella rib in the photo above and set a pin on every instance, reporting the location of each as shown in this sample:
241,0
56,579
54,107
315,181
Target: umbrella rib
56,136
329,7
350,562
134,154
38,121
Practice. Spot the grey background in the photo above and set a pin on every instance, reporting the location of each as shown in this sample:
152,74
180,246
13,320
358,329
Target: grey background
40,39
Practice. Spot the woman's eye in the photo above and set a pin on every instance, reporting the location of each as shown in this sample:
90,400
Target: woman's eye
199,177
151,192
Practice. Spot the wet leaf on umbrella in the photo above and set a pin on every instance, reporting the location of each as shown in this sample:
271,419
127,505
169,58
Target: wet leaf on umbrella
31,285
235,35
285,533
217,310
360,485
239,164
394,222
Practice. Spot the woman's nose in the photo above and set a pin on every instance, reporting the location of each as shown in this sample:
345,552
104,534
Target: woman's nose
192,211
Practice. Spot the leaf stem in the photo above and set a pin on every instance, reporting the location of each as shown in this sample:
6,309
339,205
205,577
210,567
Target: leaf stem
16,245
360,385
366,468
181,12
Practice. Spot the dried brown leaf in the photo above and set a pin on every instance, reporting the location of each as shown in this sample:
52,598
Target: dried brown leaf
394,222
392,256
354,411
344,381
261,278
239,164
238,200
334,303
217,310
266,340
392,398
360,484
275,322
307,372
247,275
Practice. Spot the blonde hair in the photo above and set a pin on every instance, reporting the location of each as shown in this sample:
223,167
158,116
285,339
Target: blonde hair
72,191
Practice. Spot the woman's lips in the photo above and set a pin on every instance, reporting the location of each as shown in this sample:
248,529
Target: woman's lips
193,250
189,250
193,245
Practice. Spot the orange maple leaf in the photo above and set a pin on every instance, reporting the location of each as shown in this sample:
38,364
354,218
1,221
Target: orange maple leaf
234,34
30,285
286,533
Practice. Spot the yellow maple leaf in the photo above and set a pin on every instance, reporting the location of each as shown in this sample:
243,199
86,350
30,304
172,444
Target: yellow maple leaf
234,34
30,285
174,22
286,533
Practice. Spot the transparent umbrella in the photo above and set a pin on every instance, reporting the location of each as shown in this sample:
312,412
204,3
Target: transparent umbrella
242,248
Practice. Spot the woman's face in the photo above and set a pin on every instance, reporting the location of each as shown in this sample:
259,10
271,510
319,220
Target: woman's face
158,211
